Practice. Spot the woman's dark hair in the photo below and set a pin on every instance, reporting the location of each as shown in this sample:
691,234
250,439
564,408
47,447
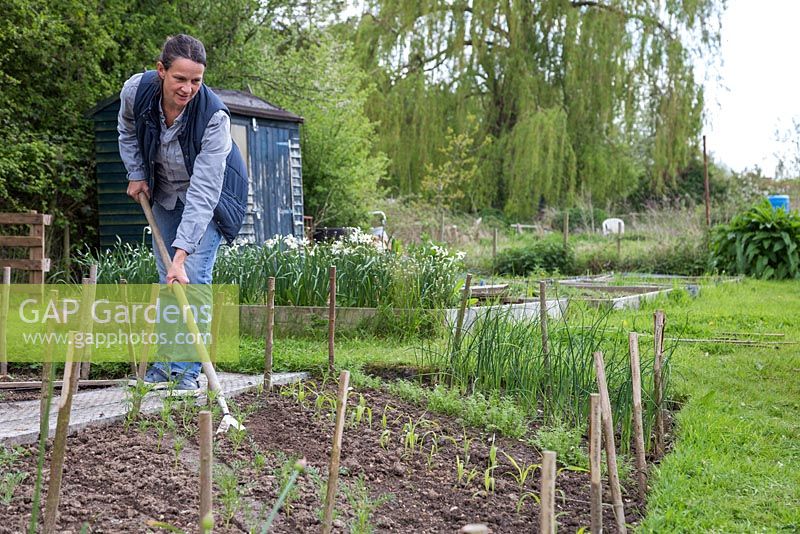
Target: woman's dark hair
182,46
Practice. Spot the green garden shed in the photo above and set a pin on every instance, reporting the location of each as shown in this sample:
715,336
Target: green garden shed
269,139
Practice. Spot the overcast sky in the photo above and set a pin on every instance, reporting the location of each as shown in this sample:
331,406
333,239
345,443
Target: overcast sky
760,87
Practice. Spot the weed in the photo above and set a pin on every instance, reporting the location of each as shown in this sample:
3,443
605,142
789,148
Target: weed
177,446
133,400
230,496
288,492
8,484
286,475
565,441
363,505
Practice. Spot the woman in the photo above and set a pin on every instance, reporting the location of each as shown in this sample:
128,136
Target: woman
175,142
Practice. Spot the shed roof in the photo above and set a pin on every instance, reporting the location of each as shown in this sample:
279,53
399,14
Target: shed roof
239,102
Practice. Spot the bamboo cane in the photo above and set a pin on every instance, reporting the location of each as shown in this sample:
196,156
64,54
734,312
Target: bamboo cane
268,341
331,318
595,468
71,374
333,468
659,322
638,427
547,520
611,451
206,468
4,320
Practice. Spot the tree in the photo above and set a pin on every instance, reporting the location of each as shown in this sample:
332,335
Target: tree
607,86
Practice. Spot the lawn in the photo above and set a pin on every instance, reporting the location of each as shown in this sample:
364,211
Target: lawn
735,461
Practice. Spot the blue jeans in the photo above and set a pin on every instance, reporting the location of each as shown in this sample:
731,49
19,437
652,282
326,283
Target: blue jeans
199,266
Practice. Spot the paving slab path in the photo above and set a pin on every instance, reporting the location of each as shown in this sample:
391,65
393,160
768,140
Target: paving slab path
19,421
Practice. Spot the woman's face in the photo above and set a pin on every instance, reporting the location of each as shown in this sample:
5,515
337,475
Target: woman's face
180,82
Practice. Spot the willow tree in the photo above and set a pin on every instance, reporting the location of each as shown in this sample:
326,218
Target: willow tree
582,97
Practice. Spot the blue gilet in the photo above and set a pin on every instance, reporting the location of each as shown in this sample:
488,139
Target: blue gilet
230,211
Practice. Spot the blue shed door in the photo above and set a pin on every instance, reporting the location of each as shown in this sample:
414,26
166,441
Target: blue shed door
271,182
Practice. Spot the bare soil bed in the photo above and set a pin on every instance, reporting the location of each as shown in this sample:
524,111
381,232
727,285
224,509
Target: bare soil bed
118,478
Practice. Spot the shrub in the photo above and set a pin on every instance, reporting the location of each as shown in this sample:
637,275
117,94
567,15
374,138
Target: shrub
547,255
761,242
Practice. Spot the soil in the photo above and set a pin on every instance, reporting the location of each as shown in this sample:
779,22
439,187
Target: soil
117,478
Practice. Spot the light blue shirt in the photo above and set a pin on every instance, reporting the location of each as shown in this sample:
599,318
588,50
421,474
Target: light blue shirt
199,192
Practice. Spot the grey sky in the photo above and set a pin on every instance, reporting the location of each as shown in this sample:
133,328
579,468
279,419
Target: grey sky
760,86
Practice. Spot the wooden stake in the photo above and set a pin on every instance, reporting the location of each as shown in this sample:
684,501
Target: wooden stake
462,310
543,323
659,322
47,370
595,467
494,250
206,465
331,318
123,284
566,229
4,320
66,250
71,372
547,520
155,289
216,319
638,428
37,252
270,330
611,450
89,288
333,468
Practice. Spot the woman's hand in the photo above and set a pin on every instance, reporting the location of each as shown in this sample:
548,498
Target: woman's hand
138,186
177,272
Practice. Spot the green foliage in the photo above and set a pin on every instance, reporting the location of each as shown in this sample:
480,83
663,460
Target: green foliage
687,257
501,355
423,277
566,441
341,170
541,162
60,59
545,254
579,218
579,96
761,242
458,178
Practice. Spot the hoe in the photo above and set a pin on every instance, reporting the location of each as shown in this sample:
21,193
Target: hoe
228,420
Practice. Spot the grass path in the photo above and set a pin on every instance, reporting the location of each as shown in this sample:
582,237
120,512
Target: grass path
735,466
